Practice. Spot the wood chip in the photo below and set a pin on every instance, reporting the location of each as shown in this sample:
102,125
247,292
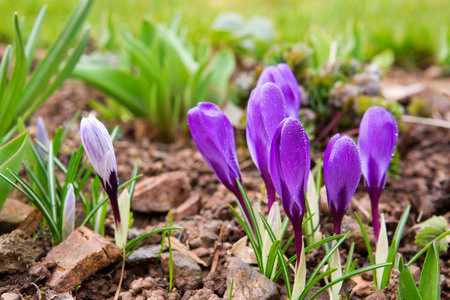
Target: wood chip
177,245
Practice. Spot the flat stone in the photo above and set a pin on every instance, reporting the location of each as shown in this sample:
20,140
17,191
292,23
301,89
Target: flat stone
81,255
12,214
10,296
17,252
184,269
161,193
145,254
249,284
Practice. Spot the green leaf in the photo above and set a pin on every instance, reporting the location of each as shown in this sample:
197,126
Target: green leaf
33,38
124,87
221,67
431,229
11,156
55,54
429,286
442,236
407,285
15,85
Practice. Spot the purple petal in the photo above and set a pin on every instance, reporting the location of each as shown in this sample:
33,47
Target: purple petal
100,152
290,162
69,211
98,147
265,111
213,135
42,135
342,172
282,76
377,138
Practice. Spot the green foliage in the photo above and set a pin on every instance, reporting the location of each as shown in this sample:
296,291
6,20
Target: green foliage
11,156
363,103
246,37
163,78
48,193
20,95
429,283
429,230
419,107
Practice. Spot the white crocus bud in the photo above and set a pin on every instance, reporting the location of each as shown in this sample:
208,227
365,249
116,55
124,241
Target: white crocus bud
69,212
100,152
42,136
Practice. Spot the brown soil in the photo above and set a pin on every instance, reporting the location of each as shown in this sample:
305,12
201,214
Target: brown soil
424,184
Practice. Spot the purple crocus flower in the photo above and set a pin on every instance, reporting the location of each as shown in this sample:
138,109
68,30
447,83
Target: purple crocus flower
342,172
100,152
213,135
282,76
42,136
290,162
265,110
378,134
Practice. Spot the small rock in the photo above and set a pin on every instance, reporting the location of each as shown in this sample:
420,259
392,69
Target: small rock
249,284
82,254
156,295
17,252
216,283
145,254
142,284
377,295
40,270
51,295
203,294
126,296
161,193
10,296
12,214
185,268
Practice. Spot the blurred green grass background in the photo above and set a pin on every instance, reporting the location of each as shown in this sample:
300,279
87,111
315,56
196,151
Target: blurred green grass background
410,28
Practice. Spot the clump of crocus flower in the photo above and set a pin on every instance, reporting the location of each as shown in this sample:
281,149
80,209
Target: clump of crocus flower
213,135
290,162
100,152
342,172
378,134
265,110
282,76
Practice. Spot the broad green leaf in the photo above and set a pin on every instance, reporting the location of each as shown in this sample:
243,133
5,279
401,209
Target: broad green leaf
15,85
124,87
429,286
4,66
407,285
429,230
11,156
221,67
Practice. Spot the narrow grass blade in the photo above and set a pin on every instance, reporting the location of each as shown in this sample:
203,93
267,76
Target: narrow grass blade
429,286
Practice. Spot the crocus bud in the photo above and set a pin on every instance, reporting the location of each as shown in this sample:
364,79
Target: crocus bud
69,212
265,110
282,76
41,136
378,134
213,135
100,152
290,162
342,172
